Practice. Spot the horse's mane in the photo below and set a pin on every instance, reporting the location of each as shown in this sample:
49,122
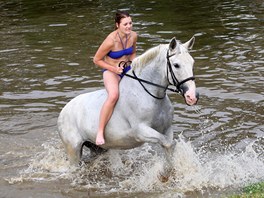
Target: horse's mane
141,61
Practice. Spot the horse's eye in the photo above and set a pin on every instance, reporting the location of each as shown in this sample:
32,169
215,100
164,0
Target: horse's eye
176,65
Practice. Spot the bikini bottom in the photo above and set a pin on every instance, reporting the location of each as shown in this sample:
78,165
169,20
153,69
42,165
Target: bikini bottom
125,70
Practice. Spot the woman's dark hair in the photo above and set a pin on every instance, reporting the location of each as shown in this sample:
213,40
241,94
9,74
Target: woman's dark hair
120,15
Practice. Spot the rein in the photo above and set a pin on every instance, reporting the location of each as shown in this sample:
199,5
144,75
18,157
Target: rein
141,81
175,83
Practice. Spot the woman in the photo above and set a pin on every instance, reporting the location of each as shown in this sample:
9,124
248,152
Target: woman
119,45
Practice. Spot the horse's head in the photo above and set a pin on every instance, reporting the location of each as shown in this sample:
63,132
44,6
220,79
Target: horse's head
180,70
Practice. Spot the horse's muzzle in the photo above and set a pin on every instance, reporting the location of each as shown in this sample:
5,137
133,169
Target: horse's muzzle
191,98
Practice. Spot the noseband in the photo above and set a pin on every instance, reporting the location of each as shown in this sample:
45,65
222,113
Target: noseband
175,82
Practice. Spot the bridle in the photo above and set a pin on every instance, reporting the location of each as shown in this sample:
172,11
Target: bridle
175,81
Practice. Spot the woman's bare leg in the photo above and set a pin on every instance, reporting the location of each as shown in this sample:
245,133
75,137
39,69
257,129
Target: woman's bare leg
111,81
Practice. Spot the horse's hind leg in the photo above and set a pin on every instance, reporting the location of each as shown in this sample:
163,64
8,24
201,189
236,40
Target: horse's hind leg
95,150
70,137
91,151
73,145
73,152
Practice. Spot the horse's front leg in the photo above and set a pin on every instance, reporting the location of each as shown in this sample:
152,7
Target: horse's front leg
168,165
143,133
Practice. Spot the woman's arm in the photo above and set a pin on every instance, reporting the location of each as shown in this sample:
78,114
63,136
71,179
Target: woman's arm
102,51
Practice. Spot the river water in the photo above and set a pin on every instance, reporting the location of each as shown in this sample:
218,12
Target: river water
46,50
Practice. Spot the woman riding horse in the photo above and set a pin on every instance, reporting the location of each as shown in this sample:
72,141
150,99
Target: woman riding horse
120,45
143,112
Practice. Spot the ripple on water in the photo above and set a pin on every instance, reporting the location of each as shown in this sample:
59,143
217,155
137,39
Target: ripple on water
46,60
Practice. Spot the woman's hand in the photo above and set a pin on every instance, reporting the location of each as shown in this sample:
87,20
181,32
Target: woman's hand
119,70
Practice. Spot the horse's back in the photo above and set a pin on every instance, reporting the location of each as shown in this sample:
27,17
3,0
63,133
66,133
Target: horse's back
89,101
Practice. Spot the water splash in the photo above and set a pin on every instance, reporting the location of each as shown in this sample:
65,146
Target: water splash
49,164
136,170
197,109
200,169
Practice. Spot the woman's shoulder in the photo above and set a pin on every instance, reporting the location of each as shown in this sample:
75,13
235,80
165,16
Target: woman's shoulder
111,36
109,40
134,35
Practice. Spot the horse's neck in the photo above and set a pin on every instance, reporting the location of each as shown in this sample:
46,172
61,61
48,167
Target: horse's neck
155,72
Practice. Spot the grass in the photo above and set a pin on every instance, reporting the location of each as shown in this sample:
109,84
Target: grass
252,191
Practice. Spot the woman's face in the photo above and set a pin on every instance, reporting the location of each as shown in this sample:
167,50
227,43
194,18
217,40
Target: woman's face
125,25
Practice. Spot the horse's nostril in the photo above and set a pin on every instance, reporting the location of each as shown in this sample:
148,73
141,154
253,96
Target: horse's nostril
197,95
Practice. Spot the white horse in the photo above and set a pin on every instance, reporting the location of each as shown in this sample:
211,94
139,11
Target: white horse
143,113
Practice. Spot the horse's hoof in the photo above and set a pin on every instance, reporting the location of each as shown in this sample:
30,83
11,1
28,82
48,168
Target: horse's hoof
163,178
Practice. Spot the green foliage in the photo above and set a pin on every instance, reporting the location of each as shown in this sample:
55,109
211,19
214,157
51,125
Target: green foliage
252,191
255,188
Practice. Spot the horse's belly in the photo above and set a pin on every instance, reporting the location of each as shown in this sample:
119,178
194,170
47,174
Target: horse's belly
122,144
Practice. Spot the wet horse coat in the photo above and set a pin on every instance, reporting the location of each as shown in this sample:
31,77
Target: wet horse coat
138,117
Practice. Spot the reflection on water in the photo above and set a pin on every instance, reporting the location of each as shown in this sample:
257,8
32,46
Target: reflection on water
46,59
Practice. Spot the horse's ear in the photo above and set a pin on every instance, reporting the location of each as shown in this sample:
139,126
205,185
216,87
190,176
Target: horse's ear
189,44
173,43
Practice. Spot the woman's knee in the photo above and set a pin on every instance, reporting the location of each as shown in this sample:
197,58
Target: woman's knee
113,96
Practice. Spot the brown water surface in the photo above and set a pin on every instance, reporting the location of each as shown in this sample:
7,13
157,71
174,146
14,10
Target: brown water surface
46,50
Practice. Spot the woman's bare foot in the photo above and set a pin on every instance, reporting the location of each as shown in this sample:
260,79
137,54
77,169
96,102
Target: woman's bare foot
99,139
